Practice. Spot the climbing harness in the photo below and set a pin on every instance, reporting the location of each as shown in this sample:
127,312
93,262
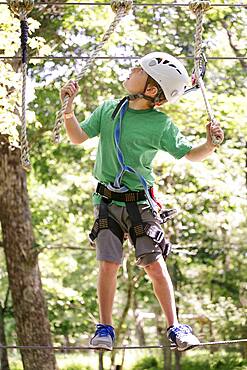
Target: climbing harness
117,192
116,186
128,196
138,228
198,7
21,9
121,8
105,222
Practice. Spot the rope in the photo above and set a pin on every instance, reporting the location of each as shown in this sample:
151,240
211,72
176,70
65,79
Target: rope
199,7
128,57
121,8
172,5
21,9
161,346
24,142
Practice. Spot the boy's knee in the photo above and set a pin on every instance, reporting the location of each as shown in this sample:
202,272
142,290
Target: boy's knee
157,270
109,266
147,259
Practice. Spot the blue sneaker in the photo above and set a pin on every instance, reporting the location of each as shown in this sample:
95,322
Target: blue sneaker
103,338
182,336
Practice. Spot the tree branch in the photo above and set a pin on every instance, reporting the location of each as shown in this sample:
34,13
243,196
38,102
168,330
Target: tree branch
233,45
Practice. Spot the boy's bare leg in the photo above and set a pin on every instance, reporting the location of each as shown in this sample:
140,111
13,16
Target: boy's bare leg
163,289
107,282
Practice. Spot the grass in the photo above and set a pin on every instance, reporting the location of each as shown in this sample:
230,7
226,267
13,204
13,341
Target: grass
204,360
87,361
142,360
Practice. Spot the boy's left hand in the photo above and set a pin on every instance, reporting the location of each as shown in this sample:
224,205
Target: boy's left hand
214,129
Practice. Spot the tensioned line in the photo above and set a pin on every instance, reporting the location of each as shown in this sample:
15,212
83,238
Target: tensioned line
61,348
135,4
52,57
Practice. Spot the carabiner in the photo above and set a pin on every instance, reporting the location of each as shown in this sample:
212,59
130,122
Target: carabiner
195,85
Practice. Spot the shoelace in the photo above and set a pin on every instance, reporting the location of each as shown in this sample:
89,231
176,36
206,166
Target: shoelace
104,331
182,330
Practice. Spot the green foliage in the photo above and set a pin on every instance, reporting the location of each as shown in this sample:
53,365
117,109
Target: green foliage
16,365
63,365
210,228
198,361
75,367
147,363
10,76
220,361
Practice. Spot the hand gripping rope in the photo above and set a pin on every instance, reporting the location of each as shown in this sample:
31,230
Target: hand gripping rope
121,8
199,7
21,9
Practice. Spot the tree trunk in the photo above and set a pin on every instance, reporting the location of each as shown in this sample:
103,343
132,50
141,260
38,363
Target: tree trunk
3,352
101,360
162,338
246,164
177,360
139,323
119,330
32,325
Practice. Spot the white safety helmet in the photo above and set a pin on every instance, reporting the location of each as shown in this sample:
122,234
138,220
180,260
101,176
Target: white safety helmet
168,71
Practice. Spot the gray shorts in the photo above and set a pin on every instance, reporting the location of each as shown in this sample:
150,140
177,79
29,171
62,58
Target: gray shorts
109,247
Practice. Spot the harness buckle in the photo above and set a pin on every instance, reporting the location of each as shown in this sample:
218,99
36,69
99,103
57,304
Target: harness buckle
167,248
159,237
156,235
167,214
91,241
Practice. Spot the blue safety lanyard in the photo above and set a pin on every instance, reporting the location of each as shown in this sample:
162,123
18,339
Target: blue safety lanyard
117,187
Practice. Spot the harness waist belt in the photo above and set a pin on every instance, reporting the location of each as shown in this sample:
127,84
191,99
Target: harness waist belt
128,196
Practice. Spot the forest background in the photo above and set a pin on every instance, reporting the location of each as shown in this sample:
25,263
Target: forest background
208,266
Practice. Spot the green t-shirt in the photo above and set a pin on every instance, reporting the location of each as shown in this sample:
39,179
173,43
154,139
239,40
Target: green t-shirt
143,133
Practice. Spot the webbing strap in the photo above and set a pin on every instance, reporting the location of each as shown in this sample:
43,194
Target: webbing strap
113,226
128,196
103,214
136,220
105,222
125,168
140,228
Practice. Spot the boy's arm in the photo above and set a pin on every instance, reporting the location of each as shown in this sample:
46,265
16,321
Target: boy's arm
199,153
76,134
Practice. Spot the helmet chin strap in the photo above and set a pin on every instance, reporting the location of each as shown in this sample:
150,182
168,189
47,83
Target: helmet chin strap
142,95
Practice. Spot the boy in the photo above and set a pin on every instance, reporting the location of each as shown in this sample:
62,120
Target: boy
131,132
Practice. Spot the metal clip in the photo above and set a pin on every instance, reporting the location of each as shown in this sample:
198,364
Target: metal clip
167,214
195,86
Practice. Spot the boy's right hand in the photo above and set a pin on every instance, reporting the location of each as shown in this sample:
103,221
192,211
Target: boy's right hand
71,88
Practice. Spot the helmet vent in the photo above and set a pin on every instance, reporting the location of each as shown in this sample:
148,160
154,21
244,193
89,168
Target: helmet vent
159,60
172,65
165,61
